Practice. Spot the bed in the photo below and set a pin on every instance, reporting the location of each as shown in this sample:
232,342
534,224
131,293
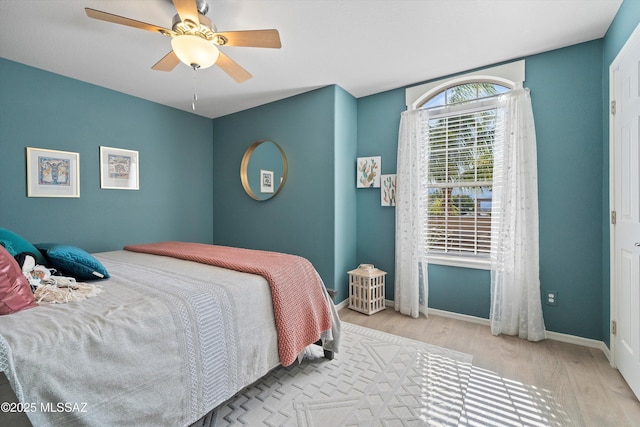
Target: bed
167,341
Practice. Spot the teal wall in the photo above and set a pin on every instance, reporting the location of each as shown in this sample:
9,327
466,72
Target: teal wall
45,110
621,28
564,84
378,122
565,92
315,131
345,230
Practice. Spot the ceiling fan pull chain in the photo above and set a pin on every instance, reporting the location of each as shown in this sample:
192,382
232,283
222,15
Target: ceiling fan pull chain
195,94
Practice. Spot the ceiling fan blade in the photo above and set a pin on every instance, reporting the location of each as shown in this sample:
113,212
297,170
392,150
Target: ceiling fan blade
109,17
187,10
231,67
251,38
167,63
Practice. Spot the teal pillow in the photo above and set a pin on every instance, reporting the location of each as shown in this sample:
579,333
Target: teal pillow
72,261
15,244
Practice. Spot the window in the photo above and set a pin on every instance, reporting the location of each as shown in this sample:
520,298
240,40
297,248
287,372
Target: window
462,126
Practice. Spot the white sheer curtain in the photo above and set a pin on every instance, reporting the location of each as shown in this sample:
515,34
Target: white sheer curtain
410,284
516,308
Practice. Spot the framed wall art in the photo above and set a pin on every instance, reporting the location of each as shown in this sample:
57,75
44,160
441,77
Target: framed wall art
388,190
368,174
119,169
266,181
52,173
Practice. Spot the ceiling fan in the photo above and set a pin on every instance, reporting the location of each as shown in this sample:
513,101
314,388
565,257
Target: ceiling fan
195,40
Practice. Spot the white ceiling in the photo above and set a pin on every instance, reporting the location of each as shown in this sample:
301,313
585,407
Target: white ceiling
364,46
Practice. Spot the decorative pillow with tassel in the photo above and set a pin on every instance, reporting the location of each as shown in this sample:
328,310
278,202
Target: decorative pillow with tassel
73,261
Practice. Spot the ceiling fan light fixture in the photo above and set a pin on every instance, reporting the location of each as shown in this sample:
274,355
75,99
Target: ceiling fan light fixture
195,51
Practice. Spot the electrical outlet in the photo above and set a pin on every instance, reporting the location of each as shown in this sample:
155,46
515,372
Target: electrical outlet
551,297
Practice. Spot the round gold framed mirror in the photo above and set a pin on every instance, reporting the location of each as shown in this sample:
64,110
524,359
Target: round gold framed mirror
263,170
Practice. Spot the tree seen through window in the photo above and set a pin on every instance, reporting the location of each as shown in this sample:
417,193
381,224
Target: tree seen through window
461,135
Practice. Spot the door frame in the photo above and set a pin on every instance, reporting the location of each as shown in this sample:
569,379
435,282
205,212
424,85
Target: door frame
613,314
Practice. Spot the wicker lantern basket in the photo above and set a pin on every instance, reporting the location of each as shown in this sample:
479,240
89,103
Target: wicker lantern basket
366,289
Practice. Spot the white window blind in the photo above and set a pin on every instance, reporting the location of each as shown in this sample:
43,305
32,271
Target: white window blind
460,180
462,120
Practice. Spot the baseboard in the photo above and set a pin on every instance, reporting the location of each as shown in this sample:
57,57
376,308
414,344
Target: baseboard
458,316
585,342
607,353
343,304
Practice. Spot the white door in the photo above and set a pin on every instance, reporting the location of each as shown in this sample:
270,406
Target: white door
625,121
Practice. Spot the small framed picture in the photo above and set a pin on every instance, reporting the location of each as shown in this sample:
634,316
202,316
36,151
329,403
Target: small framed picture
52,173
388,190
368,175
118,169
266,181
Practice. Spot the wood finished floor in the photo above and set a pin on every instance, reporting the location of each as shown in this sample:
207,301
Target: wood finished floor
577,380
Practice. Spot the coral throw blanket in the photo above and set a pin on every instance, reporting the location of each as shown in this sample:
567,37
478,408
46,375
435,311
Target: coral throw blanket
300,307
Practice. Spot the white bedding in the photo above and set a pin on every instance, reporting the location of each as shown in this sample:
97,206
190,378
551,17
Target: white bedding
166,342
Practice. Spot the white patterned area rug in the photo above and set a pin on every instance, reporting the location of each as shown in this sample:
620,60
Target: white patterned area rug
377,379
